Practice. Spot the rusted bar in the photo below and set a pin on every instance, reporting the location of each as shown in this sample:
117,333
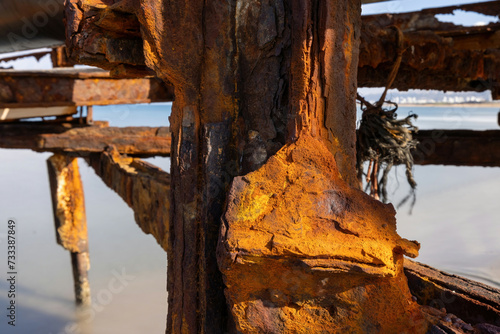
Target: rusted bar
144,187
84,139
438,55
59,57
80,263
80,87
90,114
115,41
458,148
469,300
70,220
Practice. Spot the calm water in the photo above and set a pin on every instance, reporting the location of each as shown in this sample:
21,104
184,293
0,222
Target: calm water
455,218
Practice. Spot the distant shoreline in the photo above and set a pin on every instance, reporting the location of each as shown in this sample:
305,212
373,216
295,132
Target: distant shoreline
463,105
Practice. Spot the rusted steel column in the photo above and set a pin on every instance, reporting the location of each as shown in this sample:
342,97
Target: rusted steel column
268,233
70,220
266,89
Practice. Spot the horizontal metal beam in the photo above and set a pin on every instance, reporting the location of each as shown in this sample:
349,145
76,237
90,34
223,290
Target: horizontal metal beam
77,87
471,301
437,55
144,187
82,139
458,148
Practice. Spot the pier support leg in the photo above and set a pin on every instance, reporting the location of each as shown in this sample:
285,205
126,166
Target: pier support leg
70,221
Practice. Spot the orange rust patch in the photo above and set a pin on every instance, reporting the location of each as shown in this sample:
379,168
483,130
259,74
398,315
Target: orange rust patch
301,249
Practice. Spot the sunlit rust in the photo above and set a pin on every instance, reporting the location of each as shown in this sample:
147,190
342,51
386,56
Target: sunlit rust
298,241
70,220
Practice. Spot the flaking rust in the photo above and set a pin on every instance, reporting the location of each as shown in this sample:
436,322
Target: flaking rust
303,252
144,187
68,202
70,220
439,55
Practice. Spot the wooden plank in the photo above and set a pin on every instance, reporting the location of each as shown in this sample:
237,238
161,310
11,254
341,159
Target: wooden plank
85,139
144,187
9,114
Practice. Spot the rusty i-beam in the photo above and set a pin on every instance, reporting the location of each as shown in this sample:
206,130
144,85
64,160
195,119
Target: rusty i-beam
77,87
70,219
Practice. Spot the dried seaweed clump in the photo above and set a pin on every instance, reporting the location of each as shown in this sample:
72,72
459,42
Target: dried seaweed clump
385,141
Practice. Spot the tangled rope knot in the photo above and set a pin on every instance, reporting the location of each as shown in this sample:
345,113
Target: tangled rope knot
384,140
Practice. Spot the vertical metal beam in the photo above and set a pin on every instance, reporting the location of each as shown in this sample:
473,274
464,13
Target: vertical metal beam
70,220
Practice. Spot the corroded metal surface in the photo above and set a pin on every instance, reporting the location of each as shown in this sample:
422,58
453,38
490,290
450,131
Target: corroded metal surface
84,139
438,55
303,252
106,34
251,78
471,301
80,87
144,187
458,148
70,219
